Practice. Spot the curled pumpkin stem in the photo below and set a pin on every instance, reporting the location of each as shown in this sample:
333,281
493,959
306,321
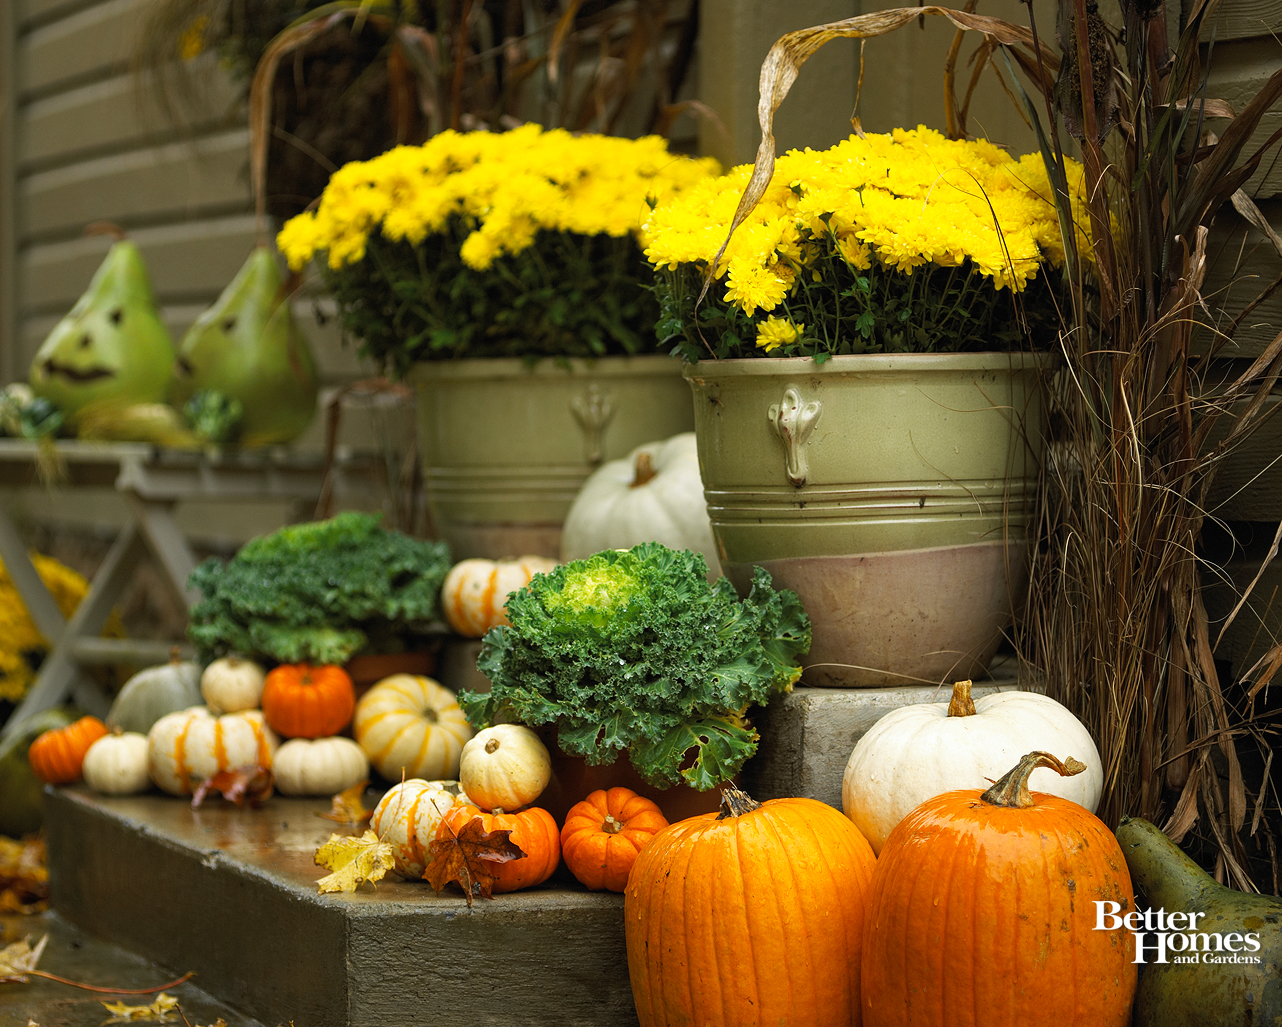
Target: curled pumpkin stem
735,802
961,704
1012,789
643,471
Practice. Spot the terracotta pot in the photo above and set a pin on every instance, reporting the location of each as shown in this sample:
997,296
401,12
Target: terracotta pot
366,671
573,780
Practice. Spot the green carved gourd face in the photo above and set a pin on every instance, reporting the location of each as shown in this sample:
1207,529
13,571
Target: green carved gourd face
249,348
112,346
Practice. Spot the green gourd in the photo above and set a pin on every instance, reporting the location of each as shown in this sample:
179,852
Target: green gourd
1203,994
21,792
248,348
111,348
154,692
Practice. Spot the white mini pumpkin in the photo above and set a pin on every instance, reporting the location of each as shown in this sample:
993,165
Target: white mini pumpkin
186,747
922,750
654,494
116,764
410,726
407,818
232,684
319,766
504,767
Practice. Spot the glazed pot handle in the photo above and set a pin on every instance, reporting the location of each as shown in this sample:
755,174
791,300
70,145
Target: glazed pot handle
593,410
793,421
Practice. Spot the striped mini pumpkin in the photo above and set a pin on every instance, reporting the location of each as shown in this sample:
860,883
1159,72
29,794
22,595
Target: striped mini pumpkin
407,818
475,591
186,747
410,726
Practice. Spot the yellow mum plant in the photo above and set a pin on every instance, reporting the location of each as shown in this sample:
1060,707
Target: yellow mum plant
907,242
522,243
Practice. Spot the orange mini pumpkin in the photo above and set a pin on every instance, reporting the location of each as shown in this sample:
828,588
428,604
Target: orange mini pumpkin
983,905
57,757
302,701
603,834
534,832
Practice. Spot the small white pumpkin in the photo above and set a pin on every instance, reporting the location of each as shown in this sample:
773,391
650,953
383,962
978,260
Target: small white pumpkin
186,747
926,749
410,726
319,766
116,764
504,767
654,494
407,818
474,594
232,684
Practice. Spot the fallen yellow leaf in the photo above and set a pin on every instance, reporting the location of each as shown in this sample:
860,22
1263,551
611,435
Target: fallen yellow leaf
161,1010
19,959
353,861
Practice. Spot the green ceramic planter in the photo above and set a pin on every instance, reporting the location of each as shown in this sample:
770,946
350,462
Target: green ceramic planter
891,492
506,445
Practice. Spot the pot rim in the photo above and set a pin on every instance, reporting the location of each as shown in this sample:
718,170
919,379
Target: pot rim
862,363
473,368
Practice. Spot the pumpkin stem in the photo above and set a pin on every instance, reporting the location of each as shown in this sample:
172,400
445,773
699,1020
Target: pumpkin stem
1012,789
962,705
174,655
610,825
492,746
643,471
735,802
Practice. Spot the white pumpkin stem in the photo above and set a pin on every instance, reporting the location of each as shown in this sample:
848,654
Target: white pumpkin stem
1012,789
492,746
643,471
610,825
174,655
961,705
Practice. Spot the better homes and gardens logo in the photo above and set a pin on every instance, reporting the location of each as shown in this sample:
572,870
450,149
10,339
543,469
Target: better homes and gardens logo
1162,937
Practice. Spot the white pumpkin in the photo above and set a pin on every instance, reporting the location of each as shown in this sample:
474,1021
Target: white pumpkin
319,766
232,684
919,751
151,693
407,818
504,767
186,747
410,726
654,494
116,764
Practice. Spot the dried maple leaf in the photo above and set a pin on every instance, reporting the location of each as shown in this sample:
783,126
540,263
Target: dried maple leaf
353,861
468,857
24,880
163,1010
19,959
252,784
349,808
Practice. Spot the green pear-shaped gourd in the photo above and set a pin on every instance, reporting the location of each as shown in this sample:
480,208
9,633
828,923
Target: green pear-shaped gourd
111,347
248,347
1198,991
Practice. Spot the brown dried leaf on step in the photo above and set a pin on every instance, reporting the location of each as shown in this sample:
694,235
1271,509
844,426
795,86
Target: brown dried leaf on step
252,784
163,1010
469,858
19,959
353,861
24,880
349,808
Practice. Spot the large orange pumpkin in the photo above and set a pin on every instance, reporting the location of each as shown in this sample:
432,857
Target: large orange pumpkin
982,913
534,832
303,701
58,756
754,915
603,834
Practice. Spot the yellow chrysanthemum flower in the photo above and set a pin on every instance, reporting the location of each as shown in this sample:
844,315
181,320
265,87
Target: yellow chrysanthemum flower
774,332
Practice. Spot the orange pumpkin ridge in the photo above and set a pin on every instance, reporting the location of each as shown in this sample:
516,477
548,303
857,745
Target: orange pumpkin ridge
57,756
604,833
533,831
303,701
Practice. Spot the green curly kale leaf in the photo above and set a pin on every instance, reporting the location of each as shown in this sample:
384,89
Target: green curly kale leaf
634,650
319,592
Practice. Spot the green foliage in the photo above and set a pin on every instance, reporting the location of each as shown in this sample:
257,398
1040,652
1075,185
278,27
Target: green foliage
878,310
567,295
320,592
634,650
214,416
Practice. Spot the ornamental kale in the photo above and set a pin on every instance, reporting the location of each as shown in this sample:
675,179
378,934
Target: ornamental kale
319,593
635,650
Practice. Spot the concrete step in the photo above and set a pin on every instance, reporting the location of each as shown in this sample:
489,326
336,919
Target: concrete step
71,952
231,893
